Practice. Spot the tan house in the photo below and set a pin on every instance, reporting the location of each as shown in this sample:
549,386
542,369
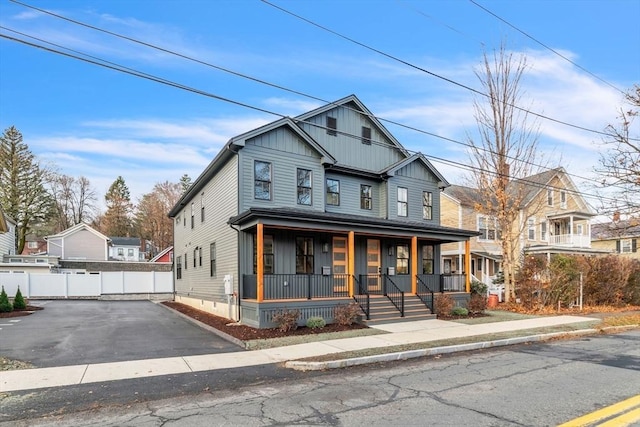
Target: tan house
554,218
619,237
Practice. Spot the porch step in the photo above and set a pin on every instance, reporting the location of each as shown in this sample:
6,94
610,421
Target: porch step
383,311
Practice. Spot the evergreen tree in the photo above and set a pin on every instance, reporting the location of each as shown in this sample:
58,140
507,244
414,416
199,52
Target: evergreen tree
185,183
117,219
5,305
22,185
18,302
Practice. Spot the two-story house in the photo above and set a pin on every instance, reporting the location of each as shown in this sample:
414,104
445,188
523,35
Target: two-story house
125,249
308,213
617,237
554,218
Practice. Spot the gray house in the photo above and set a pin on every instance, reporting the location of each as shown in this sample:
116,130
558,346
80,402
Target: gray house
80,242
312,212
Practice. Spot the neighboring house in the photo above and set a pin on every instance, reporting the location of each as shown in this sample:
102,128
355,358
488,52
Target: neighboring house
80,242
554,216
620,237
7,234
165,255
312,212
34,245
125,249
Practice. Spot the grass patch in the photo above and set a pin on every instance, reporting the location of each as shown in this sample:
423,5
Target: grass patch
494,316
303,339
624,320
10,365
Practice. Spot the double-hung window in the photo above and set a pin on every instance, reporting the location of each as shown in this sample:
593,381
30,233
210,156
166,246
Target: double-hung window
402,201
333,192
365,197
531,227
304,186
543,231
626,246
202,207
550,197
262,180
427,205
563,199
212,260
304,255
178,267
332,125
402,259
192,215
195,256
267,254
366,135
427,259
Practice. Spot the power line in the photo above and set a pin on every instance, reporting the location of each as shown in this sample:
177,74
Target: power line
545,46
431,73
257,80
135,73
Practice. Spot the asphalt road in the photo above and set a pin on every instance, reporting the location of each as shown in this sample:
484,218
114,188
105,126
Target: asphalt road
525,385
86,331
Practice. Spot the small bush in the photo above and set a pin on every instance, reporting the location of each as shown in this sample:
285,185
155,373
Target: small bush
346,315
5,305
18,302
316,322
287,320
477,303
443,305
478,288
460,311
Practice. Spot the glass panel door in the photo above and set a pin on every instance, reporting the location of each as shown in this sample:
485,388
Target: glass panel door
373,265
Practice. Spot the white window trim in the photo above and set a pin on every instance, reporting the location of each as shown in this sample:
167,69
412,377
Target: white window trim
531,227
629,248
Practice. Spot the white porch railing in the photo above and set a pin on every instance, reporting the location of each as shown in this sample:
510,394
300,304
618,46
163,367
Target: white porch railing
573,240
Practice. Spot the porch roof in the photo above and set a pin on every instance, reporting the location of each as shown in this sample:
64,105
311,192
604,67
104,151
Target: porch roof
328,221
575,214
495,257
544,249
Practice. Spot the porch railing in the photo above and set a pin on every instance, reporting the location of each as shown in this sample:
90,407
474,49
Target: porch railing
362,298
393,292
573,240
297,286
425,294
444,282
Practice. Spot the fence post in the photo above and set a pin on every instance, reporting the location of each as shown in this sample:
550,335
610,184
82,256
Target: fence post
308,286
441,283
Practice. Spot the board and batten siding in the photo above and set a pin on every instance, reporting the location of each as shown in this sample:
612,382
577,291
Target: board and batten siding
347,146
220,197
286,153
350,196
415,188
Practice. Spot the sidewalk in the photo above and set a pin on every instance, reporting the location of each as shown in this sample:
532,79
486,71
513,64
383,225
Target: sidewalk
398,333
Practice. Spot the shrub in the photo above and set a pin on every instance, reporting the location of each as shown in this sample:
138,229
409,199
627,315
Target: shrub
18,302
460,311
443,305
316,322
5,305
346,315
477,303
478,288
287,320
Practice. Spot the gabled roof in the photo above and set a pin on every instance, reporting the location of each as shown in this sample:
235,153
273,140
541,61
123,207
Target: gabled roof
161,254
126,241
391,170
467,196
76,228
616,229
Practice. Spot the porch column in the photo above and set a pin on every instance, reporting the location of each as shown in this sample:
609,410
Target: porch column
351,261
467,262
414,265
260,261
571,229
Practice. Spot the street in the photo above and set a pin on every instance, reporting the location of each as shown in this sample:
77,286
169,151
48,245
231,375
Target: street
530,385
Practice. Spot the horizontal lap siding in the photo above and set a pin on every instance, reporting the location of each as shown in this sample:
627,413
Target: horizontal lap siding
220,201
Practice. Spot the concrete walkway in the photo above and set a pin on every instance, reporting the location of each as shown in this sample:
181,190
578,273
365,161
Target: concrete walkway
398,333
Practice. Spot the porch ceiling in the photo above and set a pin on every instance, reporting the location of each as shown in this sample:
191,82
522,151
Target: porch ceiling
575,214
495,257
326,221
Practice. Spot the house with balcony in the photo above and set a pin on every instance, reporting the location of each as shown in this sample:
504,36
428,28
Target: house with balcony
311,212
554,219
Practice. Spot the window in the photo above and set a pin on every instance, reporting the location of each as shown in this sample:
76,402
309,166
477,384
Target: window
626,246
488,228
184,220
333,192
185,261
531,226
482,228
366,135
332,125
202,207
427,259
543,231
402,259
130,252
427,205
304,186
178,267
200,256
550,197
365,197
32,245
579,229
304,255
563,200
262,177
120,251
195,256
402,201
267,254
192,215
212,259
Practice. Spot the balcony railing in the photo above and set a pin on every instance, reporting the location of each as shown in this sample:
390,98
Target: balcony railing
571,240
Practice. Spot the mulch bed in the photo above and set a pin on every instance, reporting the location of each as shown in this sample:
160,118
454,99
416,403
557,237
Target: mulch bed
247,333
18,313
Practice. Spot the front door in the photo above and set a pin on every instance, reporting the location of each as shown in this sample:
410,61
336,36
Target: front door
340,282
373,266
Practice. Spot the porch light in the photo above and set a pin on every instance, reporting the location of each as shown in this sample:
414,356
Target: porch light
325,247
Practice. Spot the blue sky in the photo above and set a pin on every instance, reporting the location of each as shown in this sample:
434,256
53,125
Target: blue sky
101,123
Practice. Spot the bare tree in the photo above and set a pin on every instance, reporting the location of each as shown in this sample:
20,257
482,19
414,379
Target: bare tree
75,200
504,152
151,217
619,166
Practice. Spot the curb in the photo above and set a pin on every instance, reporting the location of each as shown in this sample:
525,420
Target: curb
206,327
411,354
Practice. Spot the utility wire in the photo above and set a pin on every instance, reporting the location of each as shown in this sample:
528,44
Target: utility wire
264,82
135,73
545,46
424,70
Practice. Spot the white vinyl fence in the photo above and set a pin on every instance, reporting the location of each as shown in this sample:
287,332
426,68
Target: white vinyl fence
35,285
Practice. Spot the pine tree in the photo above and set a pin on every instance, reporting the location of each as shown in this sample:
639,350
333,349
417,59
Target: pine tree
5,305
18,302
117,220
185,183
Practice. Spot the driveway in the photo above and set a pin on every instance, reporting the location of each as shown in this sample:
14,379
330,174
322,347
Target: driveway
81,331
